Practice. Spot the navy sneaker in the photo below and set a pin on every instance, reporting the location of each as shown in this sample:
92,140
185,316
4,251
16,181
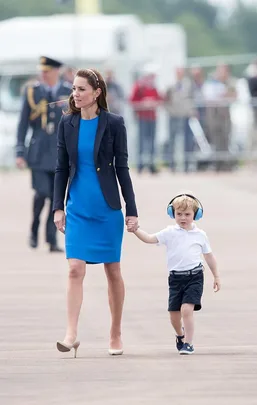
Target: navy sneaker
179,342
187,349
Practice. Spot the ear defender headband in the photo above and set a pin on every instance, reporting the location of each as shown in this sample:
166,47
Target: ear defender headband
198,214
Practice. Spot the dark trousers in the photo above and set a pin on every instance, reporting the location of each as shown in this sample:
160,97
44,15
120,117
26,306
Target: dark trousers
181,126
146,144
43,184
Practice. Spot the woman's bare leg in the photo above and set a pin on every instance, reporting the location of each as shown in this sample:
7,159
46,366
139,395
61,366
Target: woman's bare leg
116,293
74,297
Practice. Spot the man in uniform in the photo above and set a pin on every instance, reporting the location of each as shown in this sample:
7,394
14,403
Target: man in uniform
42,110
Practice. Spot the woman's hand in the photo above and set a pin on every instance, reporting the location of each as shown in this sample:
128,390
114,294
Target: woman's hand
20,163
132,224
59,220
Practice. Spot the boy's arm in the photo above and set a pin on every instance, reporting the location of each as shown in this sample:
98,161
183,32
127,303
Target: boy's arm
211,261
145,237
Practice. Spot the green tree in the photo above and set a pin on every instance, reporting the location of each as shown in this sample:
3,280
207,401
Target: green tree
18,8
198,17
163,10
200,40
173,9
243,25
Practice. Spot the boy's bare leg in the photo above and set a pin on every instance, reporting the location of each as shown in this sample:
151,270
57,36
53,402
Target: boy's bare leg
175,319
187,312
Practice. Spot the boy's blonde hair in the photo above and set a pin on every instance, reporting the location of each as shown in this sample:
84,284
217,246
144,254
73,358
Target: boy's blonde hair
184,202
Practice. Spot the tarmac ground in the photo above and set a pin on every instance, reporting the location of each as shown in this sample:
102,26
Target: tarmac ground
223,369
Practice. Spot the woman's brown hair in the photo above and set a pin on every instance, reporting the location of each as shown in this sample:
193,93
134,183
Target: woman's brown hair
95,80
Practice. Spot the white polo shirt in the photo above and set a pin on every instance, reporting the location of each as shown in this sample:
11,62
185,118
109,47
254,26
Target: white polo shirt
184,248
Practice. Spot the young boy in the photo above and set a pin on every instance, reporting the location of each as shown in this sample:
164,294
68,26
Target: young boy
185,244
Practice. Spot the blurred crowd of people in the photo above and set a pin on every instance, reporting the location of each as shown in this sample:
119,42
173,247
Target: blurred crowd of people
197,105
197,109
191,96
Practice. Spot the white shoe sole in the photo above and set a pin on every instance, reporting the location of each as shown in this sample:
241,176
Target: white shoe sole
115,352
181,352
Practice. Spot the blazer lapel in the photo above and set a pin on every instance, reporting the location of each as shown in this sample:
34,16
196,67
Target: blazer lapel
100,131
74,136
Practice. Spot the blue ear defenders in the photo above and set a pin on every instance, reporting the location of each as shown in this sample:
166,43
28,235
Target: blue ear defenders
198,214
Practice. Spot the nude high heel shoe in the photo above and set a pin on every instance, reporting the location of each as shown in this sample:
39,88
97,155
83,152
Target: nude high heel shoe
63,347
115,352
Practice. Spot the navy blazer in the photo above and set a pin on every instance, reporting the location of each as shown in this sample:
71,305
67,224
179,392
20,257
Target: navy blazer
110,157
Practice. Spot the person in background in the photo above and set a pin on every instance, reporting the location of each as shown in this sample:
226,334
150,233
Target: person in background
252,85
68,74
145,100
180,107
42,109
115,95
219,92
198,81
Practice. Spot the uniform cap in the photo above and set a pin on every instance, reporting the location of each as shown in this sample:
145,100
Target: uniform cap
46,63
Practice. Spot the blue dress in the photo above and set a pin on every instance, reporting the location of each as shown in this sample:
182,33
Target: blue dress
94,230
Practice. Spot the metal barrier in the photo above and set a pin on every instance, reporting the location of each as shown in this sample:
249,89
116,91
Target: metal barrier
226,132
239,127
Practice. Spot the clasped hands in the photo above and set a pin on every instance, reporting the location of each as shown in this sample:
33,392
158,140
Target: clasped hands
132,224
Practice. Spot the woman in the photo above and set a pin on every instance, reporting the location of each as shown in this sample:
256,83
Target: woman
92,154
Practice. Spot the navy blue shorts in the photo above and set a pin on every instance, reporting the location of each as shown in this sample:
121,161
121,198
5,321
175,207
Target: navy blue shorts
185,290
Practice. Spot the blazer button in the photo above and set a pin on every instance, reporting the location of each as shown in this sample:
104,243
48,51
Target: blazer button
110,164
98,169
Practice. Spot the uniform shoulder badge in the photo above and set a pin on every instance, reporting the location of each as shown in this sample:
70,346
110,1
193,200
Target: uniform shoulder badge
37,109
